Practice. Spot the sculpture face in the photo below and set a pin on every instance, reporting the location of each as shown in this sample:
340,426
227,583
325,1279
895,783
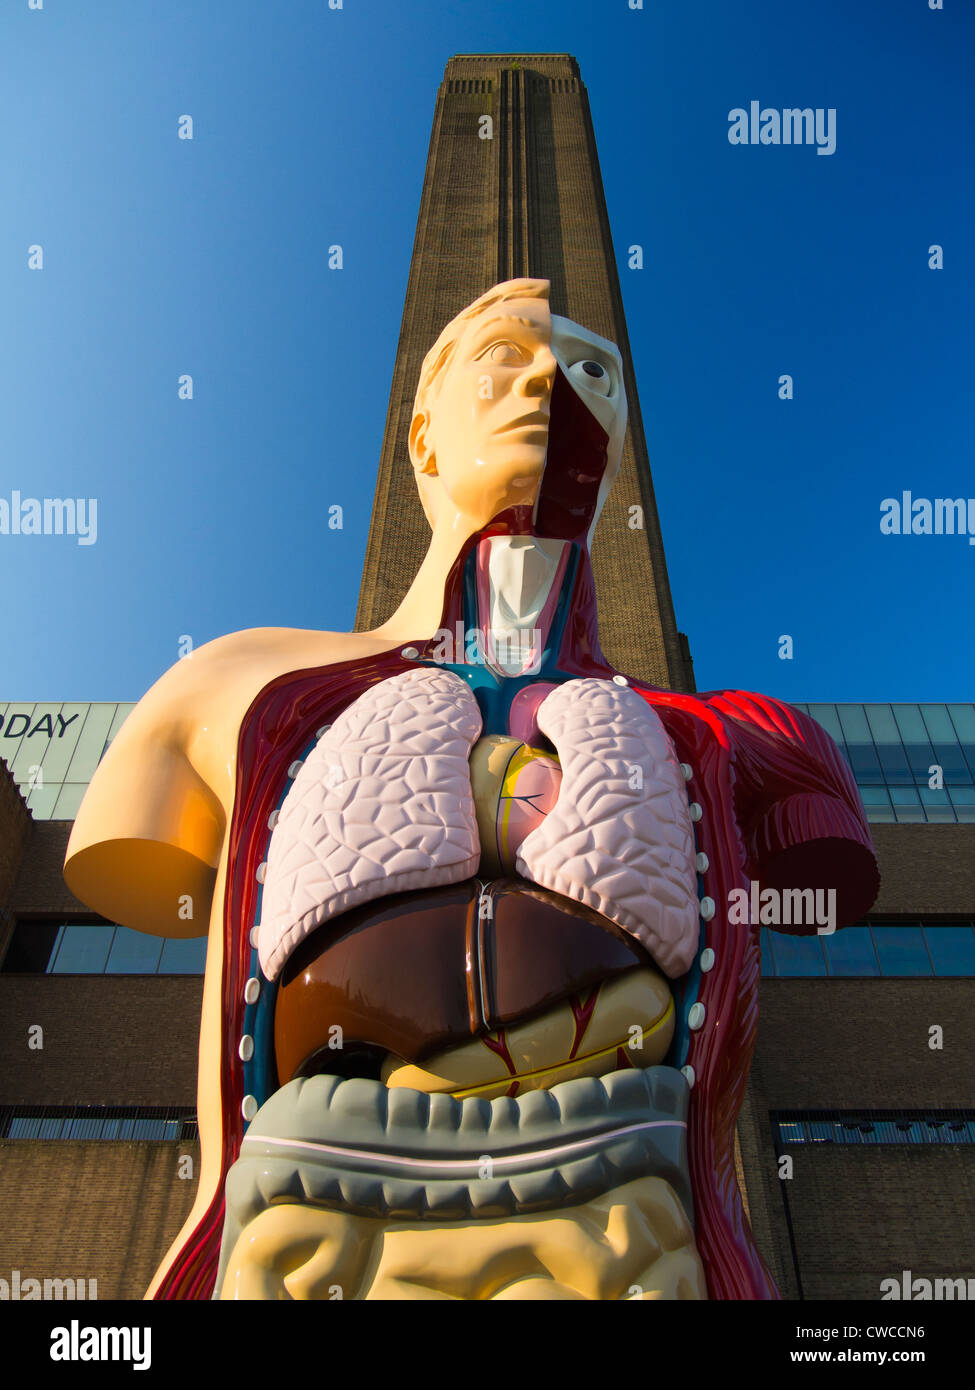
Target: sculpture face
487,428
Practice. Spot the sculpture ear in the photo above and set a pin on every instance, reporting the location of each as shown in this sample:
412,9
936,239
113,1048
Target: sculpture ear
421,452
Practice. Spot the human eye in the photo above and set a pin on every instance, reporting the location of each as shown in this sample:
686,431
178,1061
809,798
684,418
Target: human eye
593,375
504,353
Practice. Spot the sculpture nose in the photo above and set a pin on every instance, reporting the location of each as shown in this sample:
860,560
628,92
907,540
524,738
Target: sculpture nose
537,378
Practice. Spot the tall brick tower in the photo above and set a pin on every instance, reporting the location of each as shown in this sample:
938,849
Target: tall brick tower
526,202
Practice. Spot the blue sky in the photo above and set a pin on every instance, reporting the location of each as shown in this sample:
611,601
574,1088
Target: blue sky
164,256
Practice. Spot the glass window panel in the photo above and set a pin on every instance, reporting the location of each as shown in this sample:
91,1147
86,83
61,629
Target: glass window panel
883,726
68,723
50,1129
917,745
877,816
820,1131
90,743
149,1129
859,744
910,724
184,957
23,1127
874,796
122,713
851,952
826,715
952,949
904,796
17,721
937,805
934,796
962,796
768,964
69,800
921,758
35,742
83,951
853,721
901,951
938,723
965,813
963,718
893,760
944,740
42,797
797,955
951,759
909,815
134,953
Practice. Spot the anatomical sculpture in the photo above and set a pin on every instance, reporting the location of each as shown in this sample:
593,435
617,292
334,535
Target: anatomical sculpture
477,1016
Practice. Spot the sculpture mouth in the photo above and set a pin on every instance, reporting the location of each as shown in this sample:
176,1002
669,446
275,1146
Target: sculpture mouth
537,422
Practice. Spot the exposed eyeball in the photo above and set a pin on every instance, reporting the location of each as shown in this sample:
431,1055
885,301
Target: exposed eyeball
593,376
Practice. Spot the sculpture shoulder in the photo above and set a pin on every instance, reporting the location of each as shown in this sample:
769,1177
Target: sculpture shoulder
203,697
150,829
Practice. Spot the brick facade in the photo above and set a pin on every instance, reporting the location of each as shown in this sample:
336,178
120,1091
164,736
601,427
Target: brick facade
95,1210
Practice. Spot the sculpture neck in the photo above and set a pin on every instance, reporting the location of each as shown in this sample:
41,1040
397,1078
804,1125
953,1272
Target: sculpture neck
533,598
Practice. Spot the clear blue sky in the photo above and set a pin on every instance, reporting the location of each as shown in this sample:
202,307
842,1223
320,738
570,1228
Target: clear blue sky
164,256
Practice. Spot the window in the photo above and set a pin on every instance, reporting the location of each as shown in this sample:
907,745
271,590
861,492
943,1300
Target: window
797,955
873,1127
901,951
914,949
86,948
951,949
109,1122
81,950
851,952
133,953
892,749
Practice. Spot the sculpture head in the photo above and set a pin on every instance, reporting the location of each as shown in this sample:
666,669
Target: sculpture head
506,394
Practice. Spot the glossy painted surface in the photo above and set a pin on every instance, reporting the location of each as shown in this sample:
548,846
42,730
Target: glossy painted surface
421,971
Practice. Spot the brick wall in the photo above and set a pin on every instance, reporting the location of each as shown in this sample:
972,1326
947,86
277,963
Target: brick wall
829,1043
15,823
40,885
95,1210
108,1039
925,870
861,1215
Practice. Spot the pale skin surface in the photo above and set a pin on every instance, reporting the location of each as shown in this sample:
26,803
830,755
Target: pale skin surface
152,828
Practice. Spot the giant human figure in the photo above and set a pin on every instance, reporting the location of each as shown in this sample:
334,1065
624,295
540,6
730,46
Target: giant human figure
480,995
